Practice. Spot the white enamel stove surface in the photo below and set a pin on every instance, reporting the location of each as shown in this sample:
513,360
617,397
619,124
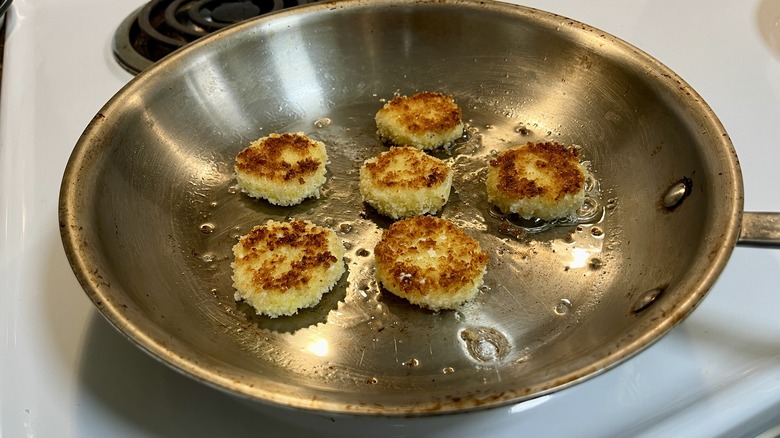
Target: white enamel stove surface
66,373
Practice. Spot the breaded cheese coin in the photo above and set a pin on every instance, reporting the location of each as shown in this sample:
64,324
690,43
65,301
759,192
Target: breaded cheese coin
283,169
430,262
537,180
423,120
281,267
405,181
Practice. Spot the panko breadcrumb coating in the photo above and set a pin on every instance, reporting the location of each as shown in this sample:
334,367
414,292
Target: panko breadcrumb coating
537,180
283,169
281,267
423,120
430,262
405,181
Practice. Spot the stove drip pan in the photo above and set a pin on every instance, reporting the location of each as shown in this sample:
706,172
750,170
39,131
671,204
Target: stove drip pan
162,26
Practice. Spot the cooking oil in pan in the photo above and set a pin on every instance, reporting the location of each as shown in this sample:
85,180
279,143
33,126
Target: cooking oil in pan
541,273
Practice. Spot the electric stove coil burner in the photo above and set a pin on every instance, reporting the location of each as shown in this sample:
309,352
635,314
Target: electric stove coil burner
162,26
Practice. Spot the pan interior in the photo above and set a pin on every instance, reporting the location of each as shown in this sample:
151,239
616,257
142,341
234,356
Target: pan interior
150,207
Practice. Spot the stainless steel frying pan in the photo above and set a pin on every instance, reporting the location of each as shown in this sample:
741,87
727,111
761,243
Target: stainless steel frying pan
149,208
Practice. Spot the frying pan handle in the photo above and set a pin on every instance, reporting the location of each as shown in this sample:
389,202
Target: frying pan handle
760,229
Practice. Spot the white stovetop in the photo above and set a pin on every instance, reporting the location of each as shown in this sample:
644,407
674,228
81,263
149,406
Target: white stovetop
66,373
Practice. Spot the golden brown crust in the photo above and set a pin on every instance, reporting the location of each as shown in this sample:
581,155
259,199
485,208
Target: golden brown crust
419,169
404,182
559,163
430,261
441,113
310,243
271,158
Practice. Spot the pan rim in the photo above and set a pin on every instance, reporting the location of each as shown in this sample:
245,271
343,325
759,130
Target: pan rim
74,241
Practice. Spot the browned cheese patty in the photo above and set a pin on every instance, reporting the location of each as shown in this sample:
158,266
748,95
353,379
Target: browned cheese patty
423,120
281,267
430,262
405,181
284,169
537,180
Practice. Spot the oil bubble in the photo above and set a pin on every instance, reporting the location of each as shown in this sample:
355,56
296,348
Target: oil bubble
588,211
591,183
207,228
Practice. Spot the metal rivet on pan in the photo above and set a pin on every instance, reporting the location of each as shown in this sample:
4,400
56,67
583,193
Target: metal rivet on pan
563,307
485,344
677,193
647,298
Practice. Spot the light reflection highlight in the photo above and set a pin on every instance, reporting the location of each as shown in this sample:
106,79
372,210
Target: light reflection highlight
319,347
579,257
530,404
